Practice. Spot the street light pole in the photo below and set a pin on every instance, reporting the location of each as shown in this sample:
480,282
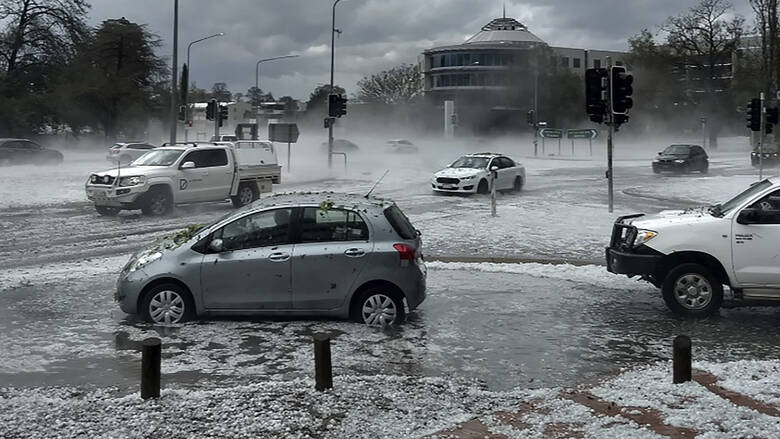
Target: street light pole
330,90
189,73
257,81
174,73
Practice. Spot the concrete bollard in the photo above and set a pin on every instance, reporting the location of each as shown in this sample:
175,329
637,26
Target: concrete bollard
323,371
151,350
681,359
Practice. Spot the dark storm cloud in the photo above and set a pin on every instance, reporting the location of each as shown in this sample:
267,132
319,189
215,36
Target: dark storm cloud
377,34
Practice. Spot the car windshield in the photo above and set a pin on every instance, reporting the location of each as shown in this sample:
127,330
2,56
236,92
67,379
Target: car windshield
722,209
161,157
471,162
677,150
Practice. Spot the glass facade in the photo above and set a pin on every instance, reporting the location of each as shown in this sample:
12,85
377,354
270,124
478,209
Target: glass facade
459,59
494,79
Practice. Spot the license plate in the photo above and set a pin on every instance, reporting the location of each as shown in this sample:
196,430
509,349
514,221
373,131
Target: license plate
449,186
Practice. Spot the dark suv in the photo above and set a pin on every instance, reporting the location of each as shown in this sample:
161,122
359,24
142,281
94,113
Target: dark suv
23,151
682,158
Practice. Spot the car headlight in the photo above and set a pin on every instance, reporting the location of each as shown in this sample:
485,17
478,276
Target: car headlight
144,260
642,236
470,177
132,181
679,161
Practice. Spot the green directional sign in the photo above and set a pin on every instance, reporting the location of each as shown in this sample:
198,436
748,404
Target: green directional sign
551,133
582,134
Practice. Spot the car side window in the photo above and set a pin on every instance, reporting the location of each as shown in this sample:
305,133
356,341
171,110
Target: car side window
30,145
140,146
328,225
506,162
769,208
207,158
262,229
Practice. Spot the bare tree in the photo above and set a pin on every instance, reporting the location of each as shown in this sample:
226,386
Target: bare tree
36,30
706,39
221,92
766,26
395,86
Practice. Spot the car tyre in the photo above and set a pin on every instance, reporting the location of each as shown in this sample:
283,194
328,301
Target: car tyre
518,186
690,289
705,168
247,193
158,202
379,306
483,187
167,304
107,210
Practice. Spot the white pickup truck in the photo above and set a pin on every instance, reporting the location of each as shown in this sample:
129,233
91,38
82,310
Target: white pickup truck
691,254
185,173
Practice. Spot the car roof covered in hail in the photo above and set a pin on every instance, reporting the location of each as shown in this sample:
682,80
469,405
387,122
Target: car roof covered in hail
484,154
181,147
333,200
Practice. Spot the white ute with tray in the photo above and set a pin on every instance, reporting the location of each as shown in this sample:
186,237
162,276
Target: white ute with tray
185,173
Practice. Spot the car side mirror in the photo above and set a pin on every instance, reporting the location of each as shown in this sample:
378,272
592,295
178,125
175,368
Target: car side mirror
494,168
659,152
216,246
188,165
748,216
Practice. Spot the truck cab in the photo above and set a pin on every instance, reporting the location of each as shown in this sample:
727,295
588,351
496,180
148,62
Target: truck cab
690,255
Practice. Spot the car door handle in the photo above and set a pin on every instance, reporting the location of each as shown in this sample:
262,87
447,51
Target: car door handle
355,252
279,257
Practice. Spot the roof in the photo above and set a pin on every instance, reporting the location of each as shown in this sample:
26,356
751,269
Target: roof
485,154
331,199
505,31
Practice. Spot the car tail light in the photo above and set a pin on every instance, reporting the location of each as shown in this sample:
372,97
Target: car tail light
406,252
114,151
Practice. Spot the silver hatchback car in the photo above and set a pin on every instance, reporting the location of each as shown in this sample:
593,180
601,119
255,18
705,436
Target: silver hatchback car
333,255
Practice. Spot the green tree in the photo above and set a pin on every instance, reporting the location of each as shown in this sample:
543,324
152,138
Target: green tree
115,80
317,104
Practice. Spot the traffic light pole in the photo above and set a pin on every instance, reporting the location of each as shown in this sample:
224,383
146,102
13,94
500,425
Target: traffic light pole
611,126
332,56
216,119
761,137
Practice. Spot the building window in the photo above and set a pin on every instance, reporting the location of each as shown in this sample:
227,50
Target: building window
596,63
565,61
576,62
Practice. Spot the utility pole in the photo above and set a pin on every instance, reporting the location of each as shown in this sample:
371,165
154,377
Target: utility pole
217,117
611,131
332,57
536,101
174,120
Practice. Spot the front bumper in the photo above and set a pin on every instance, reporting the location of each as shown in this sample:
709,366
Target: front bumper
112,196
669,166
463,186
129,287
631,263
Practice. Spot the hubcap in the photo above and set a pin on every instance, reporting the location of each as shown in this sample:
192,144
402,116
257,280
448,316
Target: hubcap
379,310
246,195
158,204
166,307
693,291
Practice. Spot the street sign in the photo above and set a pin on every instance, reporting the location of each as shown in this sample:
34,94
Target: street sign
582,134
283,132
551,133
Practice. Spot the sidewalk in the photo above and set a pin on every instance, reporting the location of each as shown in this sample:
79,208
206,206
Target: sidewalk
742,400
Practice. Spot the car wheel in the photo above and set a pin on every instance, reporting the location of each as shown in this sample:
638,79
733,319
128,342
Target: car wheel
656,170
107,210
168,304
705,168
379,307
518,186
247,193
690,289
483,187
158,203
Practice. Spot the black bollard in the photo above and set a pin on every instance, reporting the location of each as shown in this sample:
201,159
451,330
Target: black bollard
681,359
323,371
151,349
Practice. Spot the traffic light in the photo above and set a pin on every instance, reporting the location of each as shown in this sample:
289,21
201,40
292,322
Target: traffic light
337,105
771,118
529,117
223,113
182,113
211,109
621,90
754,115
595,94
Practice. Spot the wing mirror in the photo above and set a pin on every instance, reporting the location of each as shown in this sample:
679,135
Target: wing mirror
494,168
216,245
188,165
748,216
660,152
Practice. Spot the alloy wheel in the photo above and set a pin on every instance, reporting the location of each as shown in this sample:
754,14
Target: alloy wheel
245,195
379,310
693,291
159,204
166,307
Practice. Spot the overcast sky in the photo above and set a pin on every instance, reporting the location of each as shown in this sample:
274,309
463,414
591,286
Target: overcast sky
377,34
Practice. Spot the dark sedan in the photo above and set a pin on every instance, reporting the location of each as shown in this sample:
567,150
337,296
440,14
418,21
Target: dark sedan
682,158
23,151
